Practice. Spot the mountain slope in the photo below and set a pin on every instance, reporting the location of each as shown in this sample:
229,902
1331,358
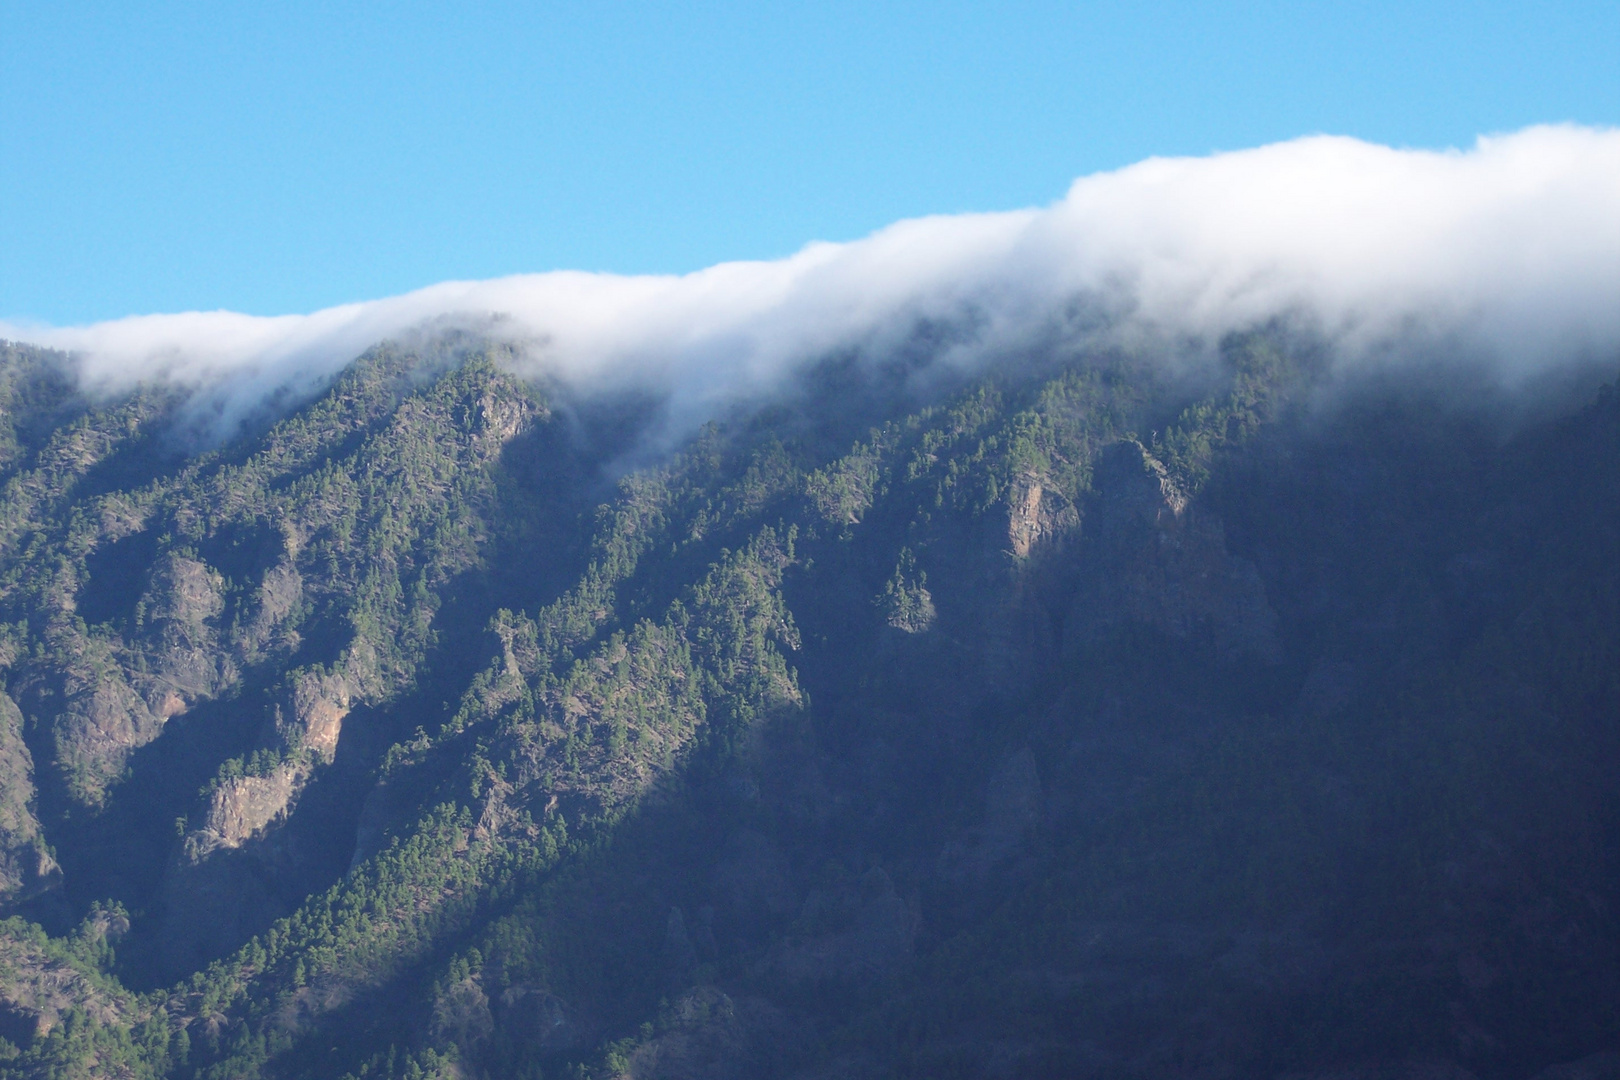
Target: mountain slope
1080,718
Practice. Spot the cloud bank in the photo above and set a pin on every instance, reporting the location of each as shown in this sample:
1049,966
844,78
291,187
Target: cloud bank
1508,251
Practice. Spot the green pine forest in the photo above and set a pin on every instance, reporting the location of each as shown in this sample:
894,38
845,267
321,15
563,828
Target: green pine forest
1085,714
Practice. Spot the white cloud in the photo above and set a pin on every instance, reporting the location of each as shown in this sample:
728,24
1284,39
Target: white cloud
1509,250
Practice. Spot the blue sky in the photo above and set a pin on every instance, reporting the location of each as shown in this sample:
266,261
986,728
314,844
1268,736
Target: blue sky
282,158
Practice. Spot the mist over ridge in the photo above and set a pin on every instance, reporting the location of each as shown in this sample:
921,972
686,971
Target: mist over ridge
1507,253
1174,632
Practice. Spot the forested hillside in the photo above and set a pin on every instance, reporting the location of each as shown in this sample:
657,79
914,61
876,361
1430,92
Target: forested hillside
1085,715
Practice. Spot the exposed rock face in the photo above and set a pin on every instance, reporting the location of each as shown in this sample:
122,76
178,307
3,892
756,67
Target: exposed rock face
115,696
500,418
234,855
1037,517
243,807
238,854
1030,562
26,866
185,659
317,705
305,735
233,859
1157,561
102,720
